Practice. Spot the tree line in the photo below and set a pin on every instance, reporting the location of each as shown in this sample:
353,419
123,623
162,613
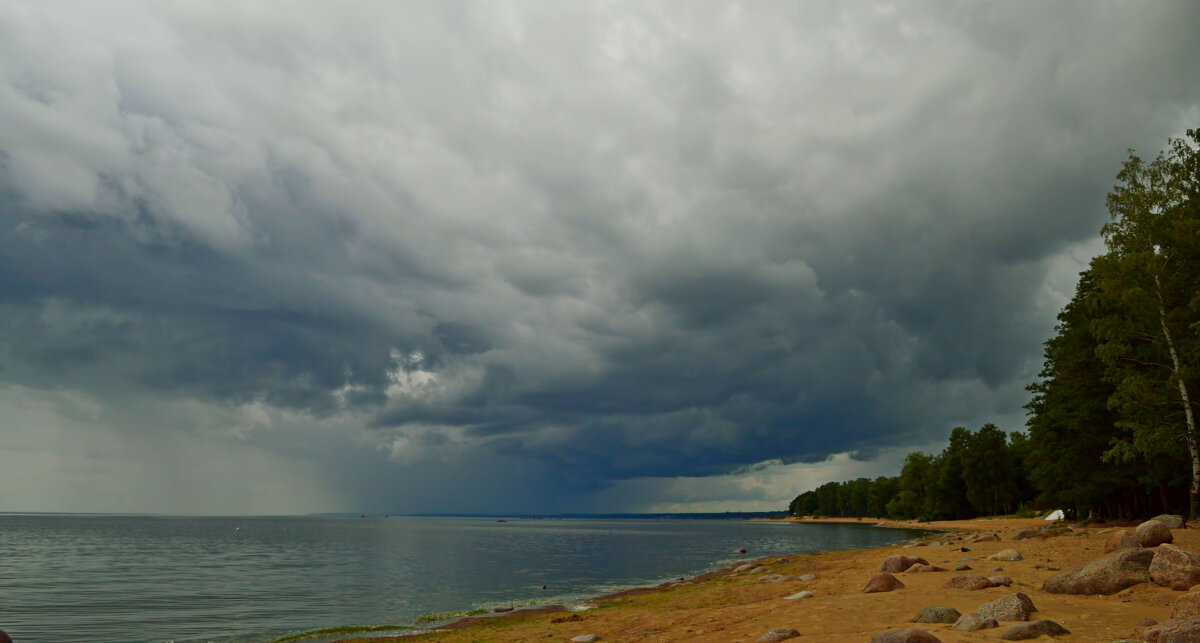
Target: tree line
1112,427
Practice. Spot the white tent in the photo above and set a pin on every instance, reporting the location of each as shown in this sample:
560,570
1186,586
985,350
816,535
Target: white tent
1057,514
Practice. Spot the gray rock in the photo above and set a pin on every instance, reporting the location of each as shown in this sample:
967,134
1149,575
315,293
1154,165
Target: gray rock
799,595
772,578
919,568
1000,581
1172,567
882,582
1153,533
1186,607
906,635
1033,630
937,614
1120,539
1108,574
968,581
1014,607
971,622
744,567
1147,622
1174,631
778,634
1006,555
500,609
898,563
1172,521
985,538
1029,532
806,577
963,568
585,638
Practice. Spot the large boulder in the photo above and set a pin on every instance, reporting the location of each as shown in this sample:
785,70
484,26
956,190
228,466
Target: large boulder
1006,555
1120,539
1153,533
1172,567
1186,607
906,635
882,582
1033,631
968,581
778,634
1014,607
972,622
1174,631
937,614
1172,521
898,563
1108,574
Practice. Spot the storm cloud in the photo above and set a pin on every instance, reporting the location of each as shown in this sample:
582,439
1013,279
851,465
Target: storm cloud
542,256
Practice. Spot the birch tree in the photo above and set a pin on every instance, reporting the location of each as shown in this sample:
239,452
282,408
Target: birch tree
1148,289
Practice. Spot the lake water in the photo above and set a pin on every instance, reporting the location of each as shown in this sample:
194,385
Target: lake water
153,579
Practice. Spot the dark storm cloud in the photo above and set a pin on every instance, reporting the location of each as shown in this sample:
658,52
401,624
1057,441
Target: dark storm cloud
607,242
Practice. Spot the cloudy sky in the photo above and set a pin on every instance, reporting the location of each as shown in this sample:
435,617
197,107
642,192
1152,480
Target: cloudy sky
493,256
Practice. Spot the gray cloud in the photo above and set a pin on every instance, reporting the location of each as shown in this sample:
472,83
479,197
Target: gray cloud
551,250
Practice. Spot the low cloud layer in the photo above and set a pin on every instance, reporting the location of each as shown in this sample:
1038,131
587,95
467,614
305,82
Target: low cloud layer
540,256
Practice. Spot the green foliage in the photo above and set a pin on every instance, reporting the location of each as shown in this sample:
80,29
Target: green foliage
932,487
1111,425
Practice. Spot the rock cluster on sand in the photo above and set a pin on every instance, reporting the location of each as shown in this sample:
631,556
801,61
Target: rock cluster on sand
882,582
1153,533
1014,607
1172,567
778,634
937,614
898,563
906,635
1033,631
1108,574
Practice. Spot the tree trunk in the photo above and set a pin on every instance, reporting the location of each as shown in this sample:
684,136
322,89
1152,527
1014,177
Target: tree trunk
1194,496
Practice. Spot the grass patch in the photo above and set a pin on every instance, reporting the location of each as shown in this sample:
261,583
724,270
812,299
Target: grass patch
434,617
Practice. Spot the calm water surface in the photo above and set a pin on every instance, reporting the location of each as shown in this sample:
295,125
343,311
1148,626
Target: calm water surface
153,579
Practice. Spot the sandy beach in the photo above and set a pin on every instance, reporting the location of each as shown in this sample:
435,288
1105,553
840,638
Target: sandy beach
728,606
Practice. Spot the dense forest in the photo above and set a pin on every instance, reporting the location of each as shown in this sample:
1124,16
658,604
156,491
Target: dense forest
1112,420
